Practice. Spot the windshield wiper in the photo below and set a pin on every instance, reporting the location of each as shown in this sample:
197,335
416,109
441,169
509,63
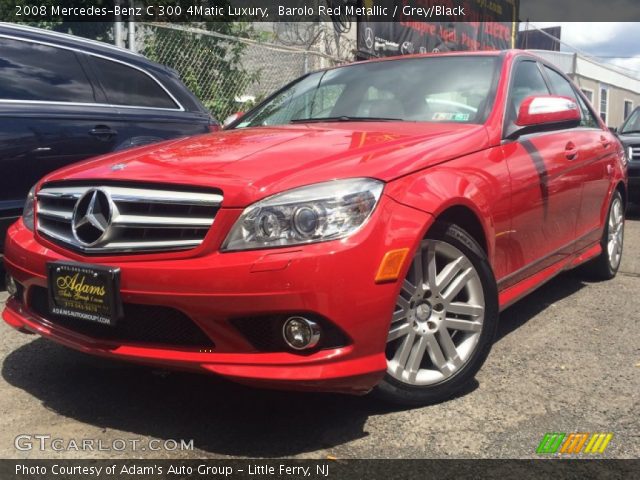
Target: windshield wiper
345,118
629,131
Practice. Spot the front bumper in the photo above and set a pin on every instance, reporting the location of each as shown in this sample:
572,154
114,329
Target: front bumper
334,280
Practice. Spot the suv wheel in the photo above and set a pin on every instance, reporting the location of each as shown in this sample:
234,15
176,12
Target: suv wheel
444,322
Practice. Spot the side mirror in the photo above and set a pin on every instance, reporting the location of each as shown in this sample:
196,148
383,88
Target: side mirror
546,110
231,118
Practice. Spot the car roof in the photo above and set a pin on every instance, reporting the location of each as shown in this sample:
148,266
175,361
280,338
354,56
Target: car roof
79,43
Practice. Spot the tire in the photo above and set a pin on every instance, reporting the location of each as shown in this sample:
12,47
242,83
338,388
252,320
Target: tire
460,311
605,266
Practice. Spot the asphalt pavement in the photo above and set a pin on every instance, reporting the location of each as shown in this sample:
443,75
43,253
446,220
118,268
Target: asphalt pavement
567,359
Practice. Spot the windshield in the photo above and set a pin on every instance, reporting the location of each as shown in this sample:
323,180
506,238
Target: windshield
429,89
632,124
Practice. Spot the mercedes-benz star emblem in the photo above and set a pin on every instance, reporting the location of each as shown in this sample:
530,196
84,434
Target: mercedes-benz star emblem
368,37
92,217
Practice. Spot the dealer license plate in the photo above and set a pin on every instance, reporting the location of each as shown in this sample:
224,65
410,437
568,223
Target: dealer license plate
86,292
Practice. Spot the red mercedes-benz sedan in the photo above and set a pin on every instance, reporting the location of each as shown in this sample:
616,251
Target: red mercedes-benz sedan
360,229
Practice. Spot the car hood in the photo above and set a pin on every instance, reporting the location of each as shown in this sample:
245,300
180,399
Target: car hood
249,164
631,139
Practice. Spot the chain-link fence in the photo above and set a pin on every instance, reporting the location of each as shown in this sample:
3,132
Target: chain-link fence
228,74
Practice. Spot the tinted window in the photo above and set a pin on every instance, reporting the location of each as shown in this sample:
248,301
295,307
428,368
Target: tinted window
559,84
527,81
29,71
436,89
127,86
632,124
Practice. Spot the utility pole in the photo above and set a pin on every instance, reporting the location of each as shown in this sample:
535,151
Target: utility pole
132,29
117,28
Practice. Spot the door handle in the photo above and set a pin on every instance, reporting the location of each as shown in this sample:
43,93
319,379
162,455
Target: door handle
102,131
571,151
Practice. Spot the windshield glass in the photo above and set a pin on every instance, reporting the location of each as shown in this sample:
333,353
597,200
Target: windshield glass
429,89
632,123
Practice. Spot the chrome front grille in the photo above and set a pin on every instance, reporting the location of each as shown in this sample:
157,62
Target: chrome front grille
635,153
106,219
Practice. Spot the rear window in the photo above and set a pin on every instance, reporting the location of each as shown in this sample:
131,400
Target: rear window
33,72
128,86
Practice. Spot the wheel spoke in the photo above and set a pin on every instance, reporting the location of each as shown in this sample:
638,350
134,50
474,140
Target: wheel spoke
465,309
463,325
399,315
436,355
448,347
415,359
403,303
409,288
431,267
399,331
402,354
457,284
448,273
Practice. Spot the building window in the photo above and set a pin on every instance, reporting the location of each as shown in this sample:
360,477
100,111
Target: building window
604,104
588,94
628,108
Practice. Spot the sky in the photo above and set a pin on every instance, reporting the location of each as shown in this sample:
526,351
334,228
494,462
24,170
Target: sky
603,39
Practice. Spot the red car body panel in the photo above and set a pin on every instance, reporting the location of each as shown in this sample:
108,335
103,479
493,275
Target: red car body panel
538,213
251,164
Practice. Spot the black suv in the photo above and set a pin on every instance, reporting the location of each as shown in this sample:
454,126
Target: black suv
64,99
629,135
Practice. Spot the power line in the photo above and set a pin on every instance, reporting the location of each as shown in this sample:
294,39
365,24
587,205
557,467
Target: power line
585,54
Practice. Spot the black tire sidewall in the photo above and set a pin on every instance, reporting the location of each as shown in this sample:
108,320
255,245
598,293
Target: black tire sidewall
391,389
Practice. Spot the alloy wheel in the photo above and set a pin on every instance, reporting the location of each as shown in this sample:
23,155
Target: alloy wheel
616,233
438,319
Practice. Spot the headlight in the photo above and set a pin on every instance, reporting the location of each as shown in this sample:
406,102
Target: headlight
316,213
27,212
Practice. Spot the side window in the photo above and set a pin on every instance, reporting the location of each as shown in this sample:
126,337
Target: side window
34,72
588,118
559,84
124,85
527,81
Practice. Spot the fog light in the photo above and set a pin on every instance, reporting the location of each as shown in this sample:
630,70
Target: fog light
300,333
12,287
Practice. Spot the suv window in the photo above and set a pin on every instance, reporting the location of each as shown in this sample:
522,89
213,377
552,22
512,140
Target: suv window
30,71
127,86
527,81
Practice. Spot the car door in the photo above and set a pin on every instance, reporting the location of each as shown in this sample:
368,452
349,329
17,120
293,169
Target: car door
146,111
546,185
47,110
595,165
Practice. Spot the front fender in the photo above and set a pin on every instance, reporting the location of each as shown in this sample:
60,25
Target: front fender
479,182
